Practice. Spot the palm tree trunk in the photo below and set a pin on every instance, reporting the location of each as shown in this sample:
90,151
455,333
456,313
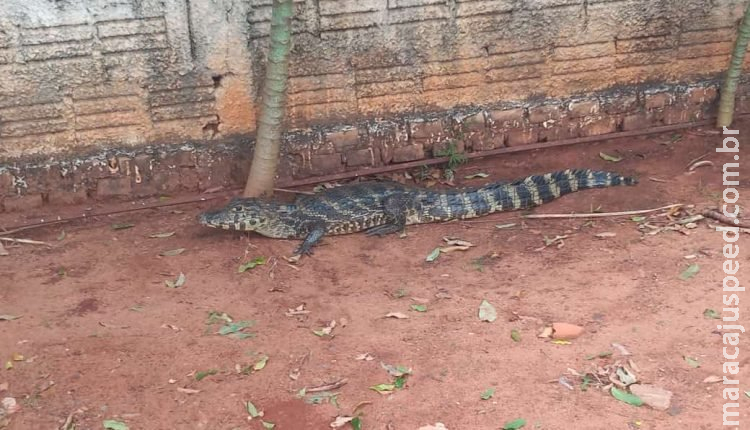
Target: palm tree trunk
260,180
726,103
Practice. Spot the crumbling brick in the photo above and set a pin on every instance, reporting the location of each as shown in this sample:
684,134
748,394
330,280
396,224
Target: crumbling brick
115,186
343,140
408,153
361,157
23,203
325,164
544,113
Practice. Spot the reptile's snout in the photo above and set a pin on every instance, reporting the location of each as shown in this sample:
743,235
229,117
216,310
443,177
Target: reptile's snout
214,219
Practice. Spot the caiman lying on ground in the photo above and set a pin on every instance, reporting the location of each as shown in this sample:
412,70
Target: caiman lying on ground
380,208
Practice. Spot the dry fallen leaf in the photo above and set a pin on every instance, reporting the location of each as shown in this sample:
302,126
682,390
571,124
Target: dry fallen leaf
457,242
188,390
341,421
366,357
605,235
546,333
397,315
656,397
447,249
710,380
623,351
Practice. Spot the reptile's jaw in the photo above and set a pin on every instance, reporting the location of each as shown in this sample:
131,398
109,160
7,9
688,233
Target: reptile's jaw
218,219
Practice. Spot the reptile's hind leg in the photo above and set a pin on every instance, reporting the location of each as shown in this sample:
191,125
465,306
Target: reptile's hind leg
395,208
313,237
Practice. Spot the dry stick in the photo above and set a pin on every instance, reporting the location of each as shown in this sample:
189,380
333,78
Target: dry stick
328,387
27,241
601,214
710,213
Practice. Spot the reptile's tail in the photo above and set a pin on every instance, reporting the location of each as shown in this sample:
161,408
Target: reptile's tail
521,194
538,189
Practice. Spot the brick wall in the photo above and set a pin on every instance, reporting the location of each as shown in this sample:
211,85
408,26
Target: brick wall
136,97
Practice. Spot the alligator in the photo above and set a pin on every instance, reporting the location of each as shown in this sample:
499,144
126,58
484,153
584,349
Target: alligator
384,207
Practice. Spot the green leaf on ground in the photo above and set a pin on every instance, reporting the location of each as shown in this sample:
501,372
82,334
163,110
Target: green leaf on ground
122,226
383,388
356,423
251,409
268,425
626,397
488,393
61,236
180,281
586,382
711,314
234,327
487,312
690,272
515,424
161,235
611,158
638,218
172,252
114,425
203,373
260,364
692,362
252,264
515,335
433,255
419,308
400,382
476,175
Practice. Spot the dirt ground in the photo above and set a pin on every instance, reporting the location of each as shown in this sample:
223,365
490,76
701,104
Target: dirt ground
104,338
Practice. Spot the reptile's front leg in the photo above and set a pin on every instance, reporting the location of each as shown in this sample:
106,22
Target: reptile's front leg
312,238
395,208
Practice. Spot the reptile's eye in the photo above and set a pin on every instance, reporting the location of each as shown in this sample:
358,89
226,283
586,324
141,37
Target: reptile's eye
253,221
236,209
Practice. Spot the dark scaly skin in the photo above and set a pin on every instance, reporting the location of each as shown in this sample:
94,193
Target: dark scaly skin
380,208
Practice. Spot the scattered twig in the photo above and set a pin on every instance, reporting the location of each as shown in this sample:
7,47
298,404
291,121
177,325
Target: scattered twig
286,190
601,214
695,160
26,241
693,166
710,213
328,387
654,179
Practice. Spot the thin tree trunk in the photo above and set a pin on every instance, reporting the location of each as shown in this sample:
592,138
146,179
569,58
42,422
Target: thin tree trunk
728,89
260,180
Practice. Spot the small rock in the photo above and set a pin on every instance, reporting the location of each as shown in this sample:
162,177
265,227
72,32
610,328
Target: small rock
656,397
566,331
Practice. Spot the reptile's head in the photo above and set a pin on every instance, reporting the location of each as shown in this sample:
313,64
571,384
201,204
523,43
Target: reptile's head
247,214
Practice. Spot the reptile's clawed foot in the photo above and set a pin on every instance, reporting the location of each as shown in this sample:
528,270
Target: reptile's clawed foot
303,251
382,230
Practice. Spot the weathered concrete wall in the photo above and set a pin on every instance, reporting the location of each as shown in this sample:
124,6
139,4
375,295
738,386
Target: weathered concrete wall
90,90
